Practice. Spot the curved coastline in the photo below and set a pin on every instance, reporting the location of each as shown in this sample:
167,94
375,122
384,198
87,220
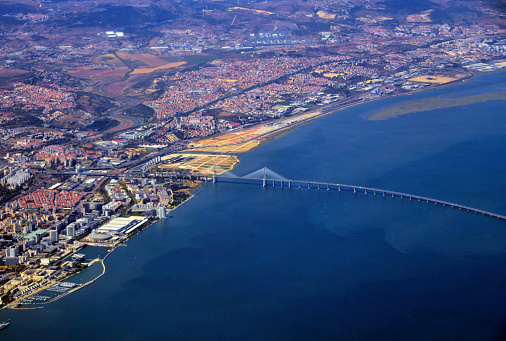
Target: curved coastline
366,293
272,135
264,139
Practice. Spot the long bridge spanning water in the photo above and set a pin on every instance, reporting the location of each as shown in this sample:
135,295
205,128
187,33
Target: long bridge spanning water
273,179
269,178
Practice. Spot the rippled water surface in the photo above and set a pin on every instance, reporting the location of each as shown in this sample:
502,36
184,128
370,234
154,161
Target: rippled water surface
242,262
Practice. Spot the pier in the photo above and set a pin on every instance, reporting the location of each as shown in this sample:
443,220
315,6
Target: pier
269,178
272,179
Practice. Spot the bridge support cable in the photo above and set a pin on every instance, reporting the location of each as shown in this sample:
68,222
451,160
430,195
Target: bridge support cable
265,174
366,190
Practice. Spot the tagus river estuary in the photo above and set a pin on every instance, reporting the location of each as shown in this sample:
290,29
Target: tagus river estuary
244,262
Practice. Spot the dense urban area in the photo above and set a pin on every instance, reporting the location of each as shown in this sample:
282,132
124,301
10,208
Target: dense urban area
103,120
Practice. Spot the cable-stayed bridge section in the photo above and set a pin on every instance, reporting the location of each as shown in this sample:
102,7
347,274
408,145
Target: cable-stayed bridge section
269,178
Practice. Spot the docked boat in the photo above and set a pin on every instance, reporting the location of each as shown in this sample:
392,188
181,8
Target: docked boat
4,324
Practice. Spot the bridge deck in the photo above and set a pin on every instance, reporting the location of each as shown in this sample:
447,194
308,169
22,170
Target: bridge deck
319,185
365,190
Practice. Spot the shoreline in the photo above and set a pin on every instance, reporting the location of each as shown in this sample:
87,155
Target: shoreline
273,135
14,306
263,139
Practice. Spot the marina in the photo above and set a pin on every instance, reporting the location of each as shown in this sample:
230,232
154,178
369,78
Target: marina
243,261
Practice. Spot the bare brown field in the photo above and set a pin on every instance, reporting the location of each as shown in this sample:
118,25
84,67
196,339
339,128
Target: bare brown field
147,59
124,123
163,67
236,148
226,114
12,72
245,140
100,74
256,11
325,15
203,163
433,79
119,87
239,142
109,59
153,41
231,138
421,17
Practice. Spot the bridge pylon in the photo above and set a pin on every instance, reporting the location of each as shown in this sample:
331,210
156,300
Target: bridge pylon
264,183
214,175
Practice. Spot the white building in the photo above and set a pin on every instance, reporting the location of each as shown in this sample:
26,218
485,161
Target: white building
71,231
53,235
162,212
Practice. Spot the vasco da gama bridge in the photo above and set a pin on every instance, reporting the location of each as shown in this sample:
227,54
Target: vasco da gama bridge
267,177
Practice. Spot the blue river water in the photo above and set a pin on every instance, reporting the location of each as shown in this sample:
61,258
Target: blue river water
242,262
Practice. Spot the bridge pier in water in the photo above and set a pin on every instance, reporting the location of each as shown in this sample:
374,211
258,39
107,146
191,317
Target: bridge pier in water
366,190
